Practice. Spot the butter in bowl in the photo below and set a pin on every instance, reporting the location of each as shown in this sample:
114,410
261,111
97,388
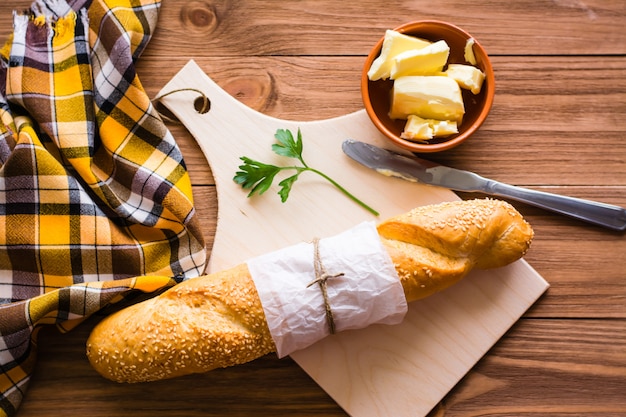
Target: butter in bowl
427,85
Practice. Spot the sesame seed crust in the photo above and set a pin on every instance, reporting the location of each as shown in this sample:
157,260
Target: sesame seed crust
217,320
435,246
202,324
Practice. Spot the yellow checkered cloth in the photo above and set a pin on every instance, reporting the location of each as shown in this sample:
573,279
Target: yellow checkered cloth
95,199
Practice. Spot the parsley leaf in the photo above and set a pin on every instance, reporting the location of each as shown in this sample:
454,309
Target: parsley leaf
258,177
287,146
285,187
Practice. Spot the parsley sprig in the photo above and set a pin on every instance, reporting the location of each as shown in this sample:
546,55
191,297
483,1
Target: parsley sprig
258,177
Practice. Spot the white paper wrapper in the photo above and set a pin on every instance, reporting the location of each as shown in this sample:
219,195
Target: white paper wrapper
369,291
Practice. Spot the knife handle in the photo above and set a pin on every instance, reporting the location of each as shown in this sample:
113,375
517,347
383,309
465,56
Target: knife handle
606,215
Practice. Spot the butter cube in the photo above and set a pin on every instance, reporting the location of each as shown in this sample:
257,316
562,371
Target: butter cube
394,43
417,129
443,127
469,51
468,77
429,97
425,61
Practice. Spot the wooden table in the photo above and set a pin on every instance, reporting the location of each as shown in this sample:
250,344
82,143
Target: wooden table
558,124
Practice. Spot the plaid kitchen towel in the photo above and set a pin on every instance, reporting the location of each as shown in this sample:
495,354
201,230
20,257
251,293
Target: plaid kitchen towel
95,199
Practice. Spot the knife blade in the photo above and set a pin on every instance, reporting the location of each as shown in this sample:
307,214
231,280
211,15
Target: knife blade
415,169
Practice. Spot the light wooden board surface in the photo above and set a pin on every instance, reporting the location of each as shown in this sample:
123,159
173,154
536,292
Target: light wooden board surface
381,370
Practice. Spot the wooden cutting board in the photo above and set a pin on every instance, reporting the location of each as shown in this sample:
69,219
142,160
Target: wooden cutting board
382,370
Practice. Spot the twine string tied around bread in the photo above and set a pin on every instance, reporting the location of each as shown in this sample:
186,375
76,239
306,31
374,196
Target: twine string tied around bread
321,278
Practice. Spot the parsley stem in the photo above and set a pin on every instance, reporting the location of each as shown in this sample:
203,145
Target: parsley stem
346,192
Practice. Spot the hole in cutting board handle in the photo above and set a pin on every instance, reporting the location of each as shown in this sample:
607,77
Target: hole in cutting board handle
201,104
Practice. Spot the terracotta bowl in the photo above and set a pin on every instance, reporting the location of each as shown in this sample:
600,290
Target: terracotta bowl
377,94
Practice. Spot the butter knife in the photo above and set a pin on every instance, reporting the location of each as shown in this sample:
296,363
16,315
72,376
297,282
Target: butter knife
416,169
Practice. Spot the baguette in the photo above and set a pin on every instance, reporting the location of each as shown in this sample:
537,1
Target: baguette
217,320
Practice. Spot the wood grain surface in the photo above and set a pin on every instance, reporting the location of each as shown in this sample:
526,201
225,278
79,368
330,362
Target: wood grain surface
557,124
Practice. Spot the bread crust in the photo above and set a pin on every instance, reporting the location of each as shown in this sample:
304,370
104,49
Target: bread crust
217,320
203,323
434,246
